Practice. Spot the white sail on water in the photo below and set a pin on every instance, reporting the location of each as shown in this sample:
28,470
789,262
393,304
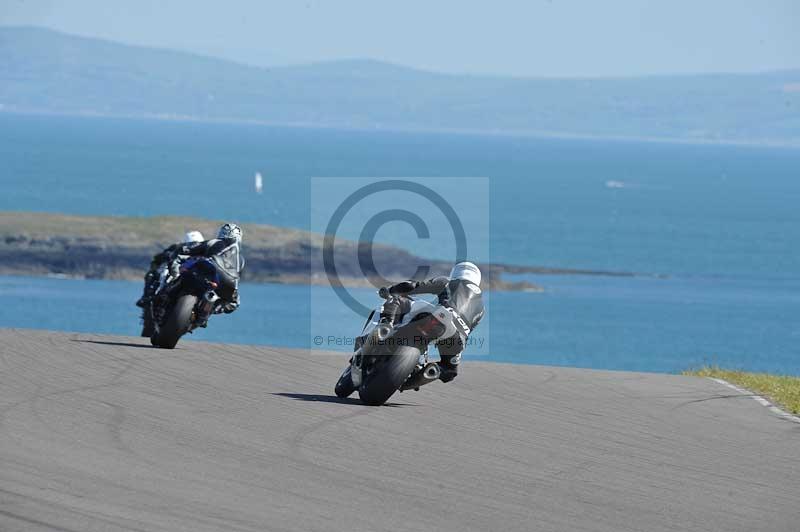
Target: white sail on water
259,183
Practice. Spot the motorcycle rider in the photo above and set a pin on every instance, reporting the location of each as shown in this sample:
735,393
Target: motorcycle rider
225,252
160,263
460,292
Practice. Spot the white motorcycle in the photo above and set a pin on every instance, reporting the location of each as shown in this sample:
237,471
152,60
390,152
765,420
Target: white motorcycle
390,358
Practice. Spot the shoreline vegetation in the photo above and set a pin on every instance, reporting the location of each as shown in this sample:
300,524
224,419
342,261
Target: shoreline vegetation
783,390
114,247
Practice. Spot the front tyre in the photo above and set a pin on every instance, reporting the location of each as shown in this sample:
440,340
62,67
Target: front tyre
147,323
344,386
177,324
379,386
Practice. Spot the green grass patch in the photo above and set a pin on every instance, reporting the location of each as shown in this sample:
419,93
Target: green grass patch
780,389
129,231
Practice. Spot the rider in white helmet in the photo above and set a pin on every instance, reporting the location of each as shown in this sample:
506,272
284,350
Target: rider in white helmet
460,291
193,236
161,261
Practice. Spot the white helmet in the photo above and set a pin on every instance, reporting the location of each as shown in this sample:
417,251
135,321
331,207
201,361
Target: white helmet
230,231
466,271
193,236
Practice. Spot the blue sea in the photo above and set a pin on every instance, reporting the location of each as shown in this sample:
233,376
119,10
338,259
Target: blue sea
719,225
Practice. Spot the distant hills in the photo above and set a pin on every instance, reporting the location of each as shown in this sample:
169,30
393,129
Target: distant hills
51,72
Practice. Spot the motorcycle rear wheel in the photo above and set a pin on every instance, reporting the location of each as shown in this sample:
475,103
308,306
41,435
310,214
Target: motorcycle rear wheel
379,386
177,324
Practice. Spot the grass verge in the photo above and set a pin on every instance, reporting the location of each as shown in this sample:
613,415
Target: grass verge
781,390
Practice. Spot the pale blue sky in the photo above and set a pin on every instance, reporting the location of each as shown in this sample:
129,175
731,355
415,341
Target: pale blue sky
524,38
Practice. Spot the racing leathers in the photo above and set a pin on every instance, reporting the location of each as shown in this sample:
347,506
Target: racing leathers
226,256
158,268
462,297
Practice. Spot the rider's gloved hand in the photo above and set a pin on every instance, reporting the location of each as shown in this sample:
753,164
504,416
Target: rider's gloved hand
174,268
396,289
402,288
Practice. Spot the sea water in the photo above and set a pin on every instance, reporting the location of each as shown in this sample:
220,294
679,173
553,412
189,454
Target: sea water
612,323
719,224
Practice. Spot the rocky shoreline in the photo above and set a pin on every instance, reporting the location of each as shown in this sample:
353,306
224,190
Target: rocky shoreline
109,247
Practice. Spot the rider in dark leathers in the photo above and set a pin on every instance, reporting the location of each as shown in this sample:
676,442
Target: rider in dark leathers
152,278
225,252
460,292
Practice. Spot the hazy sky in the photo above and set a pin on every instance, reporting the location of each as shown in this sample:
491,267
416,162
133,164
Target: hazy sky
525,38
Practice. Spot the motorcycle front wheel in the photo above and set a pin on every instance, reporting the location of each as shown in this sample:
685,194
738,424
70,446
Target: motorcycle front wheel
344,386
177,324
147,323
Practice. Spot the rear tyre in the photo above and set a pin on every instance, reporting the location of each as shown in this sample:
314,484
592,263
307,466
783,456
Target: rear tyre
344,386
177,324
387,379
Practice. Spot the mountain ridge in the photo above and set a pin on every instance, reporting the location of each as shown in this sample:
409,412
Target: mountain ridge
367,61
46,71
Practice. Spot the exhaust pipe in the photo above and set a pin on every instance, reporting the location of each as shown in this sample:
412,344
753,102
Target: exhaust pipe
432,371
209,303
426,375
211,296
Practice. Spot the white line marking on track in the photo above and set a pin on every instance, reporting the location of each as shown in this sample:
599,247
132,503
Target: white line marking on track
761,400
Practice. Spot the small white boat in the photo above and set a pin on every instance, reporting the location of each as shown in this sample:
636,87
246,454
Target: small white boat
615,184
259,183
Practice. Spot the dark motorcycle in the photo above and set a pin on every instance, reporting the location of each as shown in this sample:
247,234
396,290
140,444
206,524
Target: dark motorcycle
187,303
391,358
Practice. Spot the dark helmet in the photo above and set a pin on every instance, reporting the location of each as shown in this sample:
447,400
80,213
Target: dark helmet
230,231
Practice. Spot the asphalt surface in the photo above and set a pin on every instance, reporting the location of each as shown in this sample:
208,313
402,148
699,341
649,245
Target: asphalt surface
102,433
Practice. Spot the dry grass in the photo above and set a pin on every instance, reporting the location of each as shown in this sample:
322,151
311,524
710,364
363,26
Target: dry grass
134,231
780,389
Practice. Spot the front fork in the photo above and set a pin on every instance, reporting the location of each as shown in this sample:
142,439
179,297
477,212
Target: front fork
356,365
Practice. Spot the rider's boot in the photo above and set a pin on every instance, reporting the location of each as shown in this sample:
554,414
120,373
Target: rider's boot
449,367
146,297
150,285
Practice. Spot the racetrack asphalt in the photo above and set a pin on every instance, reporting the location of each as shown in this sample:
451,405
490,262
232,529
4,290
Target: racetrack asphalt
103,433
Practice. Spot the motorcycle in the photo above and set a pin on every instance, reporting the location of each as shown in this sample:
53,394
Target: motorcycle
390,358
186,303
